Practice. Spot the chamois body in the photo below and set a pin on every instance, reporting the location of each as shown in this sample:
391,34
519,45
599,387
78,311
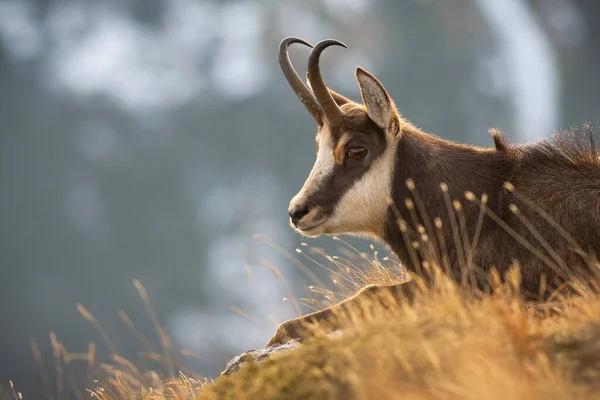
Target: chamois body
466,208
560,177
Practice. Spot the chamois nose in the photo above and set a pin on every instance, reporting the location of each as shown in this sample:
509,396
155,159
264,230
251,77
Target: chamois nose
298,212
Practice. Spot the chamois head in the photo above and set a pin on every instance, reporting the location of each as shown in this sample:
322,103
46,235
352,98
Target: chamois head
350,182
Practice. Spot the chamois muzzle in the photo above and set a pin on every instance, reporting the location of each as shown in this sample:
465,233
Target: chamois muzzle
306,217
298,212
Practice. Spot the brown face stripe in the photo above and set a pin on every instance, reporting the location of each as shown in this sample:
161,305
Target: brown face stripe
358,130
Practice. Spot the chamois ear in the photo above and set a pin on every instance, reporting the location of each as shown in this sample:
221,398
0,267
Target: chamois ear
339,99
380,106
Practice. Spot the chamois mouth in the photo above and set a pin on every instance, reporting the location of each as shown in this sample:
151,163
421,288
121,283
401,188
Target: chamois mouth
310,227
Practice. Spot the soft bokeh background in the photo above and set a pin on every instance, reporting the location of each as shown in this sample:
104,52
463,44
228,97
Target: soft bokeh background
154,139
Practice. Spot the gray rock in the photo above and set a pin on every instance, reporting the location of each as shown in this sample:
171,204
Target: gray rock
257,355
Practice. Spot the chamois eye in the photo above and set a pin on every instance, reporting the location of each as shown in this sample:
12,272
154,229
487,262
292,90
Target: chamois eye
356,153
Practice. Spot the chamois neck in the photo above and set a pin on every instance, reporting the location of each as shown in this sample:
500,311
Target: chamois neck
429,161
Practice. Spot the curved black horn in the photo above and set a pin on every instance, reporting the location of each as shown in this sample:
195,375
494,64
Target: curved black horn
332,112
304,94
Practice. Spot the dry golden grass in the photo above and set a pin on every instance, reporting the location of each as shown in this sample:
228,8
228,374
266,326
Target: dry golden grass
453,343
450,345
447,347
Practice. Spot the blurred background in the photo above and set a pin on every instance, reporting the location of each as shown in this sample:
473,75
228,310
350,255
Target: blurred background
155,139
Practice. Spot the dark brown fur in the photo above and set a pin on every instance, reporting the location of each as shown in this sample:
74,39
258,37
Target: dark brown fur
560,176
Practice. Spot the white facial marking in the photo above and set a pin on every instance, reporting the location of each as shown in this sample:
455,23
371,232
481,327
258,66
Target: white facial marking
322,168
363,208
324,165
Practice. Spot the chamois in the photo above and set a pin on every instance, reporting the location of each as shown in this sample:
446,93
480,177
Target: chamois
377,174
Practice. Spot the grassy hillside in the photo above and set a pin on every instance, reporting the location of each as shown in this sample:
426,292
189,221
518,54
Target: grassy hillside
450,345
446,348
